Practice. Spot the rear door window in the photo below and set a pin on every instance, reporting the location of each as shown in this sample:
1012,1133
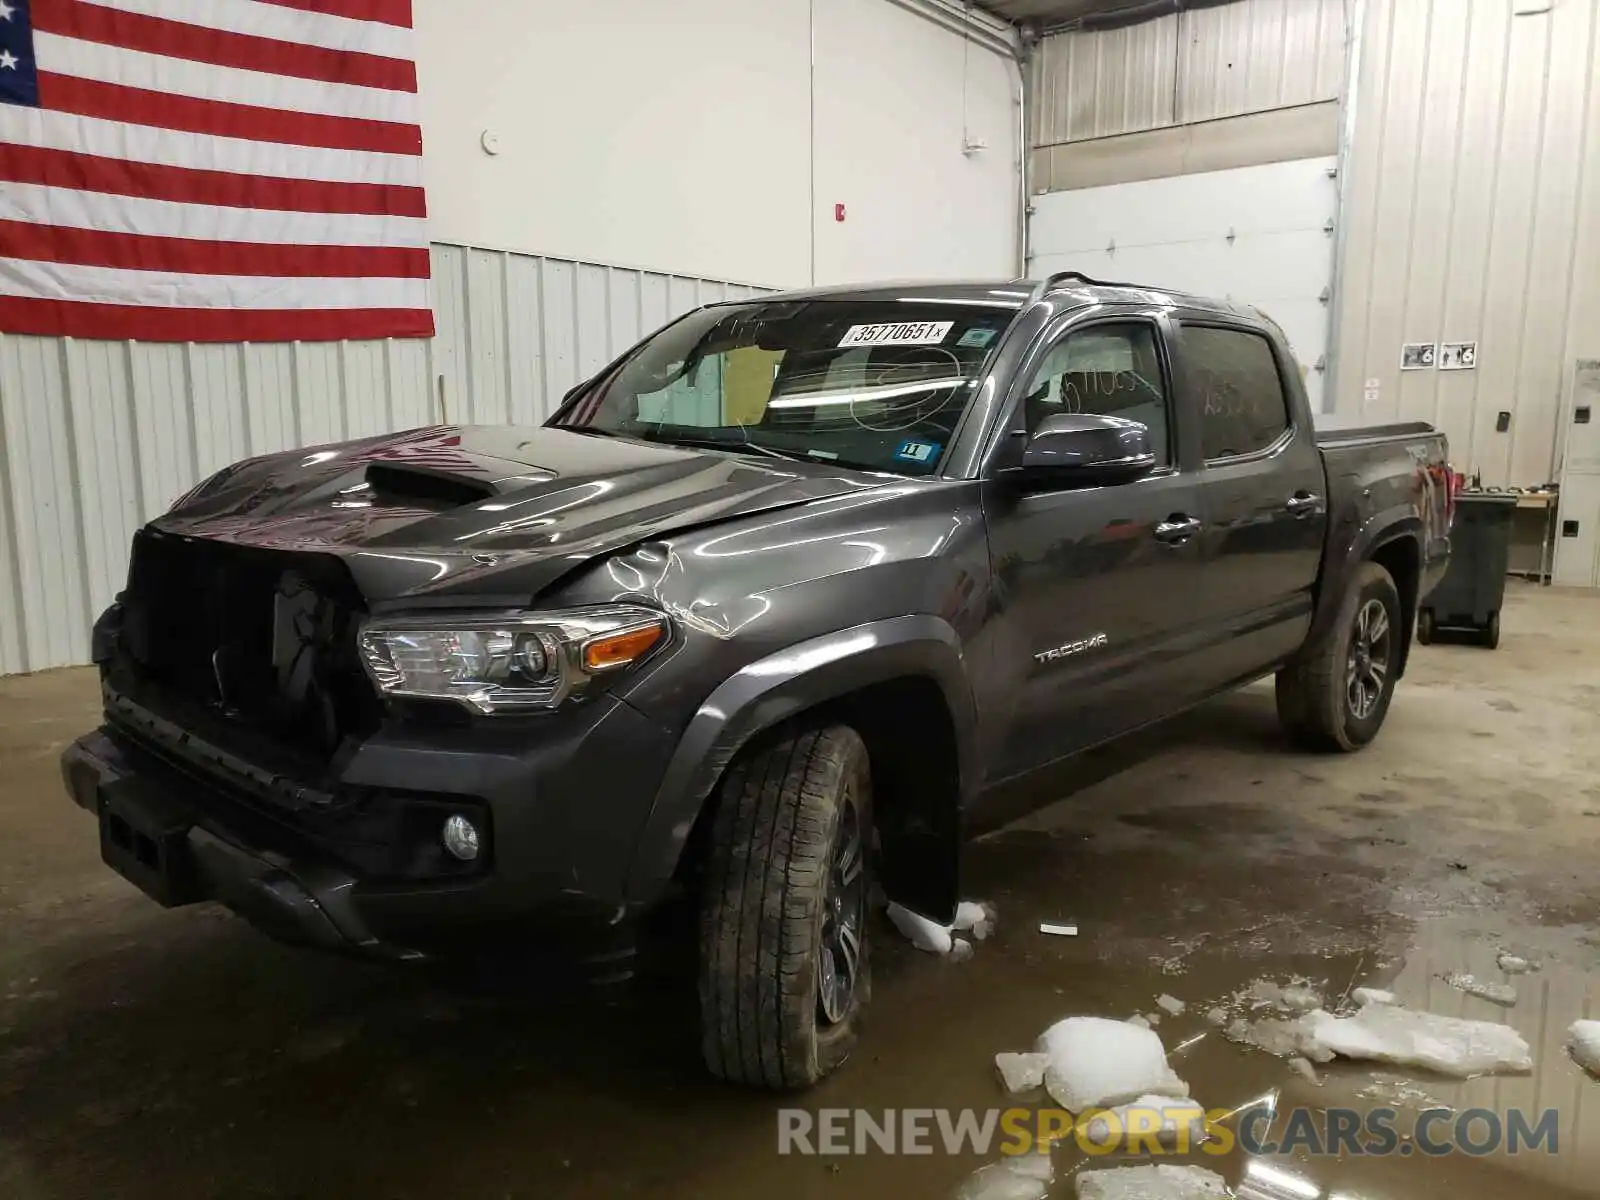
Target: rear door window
1243,408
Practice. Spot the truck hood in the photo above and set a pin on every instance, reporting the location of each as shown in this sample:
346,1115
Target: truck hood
496,512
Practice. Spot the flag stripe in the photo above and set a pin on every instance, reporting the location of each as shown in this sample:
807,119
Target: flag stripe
74,208
135,106
184,77
113,182
219,170
168,289
61,318
275,21
171,147
140,252
76,18
389,12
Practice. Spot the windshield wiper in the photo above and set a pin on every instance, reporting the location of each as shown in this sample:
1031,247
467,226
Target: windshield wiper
736,447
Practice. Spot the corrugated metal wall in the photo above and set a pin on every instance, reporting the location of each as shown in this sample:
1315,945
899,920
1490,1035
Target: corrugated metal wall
1193,66
1474,215
99,436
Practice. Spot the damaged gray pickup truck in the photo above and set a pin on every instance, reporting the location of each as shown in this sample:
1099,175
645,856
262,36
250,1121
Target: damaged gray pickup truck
772,607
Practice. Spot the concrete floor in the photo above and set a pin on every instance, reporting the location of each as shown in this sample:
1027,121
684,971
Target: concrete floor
146,1053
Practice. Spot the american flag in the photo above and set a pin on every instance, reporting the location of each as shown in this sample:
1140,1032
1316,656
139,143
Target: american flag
211,170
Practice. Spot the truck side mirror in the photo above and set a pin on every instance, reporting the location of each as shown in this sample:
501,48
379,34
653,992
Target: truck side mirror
1087,449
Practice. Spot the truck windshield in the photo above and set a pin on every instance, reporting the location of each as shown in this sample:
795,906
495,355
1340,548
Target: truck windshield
878,385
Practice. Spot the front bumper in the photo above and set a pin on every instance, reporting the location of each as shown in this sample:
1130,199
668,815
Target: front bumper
564,804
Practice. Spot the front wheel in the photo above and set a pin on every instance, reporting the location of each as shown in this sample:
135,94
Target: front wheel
783,915
1337,695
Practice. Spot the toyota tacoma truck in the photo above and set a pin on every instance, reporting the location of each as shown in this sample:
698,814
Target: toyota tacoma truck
772,608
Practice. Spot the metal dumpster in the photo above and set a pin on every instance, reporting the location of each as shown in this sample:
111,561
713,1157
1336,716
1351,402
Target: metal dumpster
1470,595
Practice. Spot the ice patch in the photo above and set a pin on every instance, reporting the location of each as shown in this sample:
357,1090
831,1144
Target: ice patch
1159,1181
1296,996
1176,1116
1021,1072
1498,993
1020,1177
1583,1043
960,950
1170,1004
1099,1062
1399,1092
1449,1045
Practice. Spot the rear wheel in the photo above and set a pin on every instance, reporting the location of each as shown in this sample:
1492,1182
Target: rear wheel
1491,632
1337,695
1425,627
784,969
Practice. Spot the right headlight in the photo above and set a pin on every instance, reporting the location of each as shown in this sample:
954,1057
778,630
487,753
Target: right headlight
508,662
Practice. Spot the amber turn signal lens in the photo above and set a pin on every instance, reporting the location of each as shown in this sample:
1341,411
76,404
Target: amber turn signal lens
620,649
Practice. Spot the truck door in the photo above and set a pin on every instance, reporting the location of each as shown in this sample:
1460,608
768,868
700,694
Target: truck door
1263,499
1092,583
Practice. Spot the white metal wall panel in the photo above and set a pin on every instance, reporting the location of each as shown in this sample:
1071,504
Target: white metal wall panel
1192,66
1473,214
1089,85
1253,234
1259,54
97,437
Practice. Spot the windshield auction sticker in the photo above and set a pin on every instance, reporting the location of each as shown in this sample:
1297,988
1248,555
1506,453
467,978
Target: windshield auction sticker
903,333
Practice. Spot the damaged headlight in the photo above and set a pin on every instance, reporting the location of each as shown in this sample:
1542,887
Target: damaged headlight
508,662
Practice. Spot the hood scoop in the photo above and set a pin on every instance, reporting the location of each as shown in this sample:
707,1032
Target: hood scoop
407,482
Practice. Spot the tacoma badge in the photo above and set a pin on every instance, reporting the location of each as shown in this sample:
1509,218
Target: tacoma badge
1078,647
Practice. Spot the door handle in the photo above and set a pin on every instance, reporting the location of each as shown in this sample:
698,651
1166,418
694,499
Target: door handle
1303,504
1177,529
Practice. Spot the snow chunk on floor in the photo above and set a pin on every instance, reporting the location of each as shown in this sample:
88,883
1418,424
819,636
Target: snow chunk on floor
1217,1016
924,933
1515,964
975,917
1497,993
1021,1072
921,931
1020,1177
1392,1034
1173,1114
1365,996
1583,1042
1302,1067
1170,1004
1287,1038
1156,1182
1095,1061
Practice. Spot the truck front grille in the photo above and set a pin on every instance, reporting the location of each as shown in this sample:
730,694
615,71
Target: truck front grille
265,640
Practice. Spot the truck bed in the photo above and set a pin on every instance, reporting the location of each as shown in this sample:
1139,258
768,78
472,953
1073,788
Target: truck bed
1343,429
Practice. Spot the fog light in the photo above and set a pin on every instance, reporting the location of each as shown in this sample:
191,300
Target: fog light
461,838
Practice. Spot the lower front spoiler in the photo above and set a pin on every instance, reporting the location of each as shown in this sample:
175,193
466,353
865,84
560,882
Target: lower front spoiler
155,838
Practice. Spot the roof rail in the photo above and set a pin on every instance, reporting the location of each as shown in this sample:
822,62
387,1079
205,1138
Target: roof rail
1051,280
